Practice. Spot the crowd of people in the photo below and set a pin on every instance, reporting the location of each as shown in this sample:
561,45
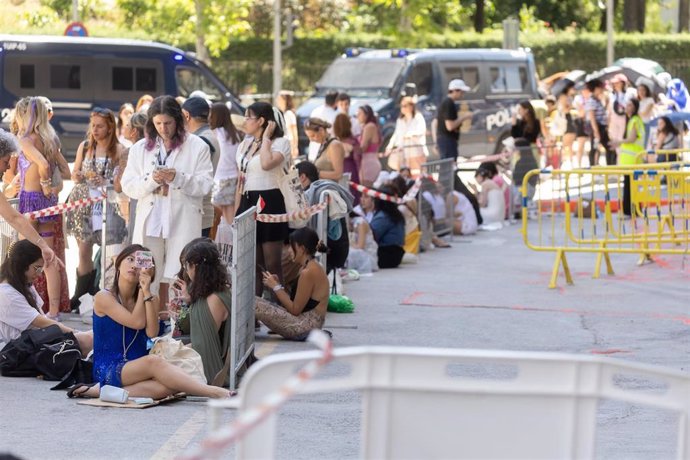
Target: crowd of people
182,167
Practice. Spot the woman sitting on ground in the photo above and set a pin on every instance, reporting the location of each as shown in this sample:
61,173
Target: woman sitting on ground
208,297
124,317
362,254
305,309
491,199
20,304
388,226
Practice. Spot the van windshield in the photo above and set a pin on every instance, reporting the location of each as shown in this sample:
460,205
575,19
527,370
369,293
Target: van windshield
361,77
190,79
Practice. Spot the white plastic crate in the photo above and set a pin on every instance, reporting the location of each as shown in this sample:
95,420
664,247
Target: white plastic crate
470,404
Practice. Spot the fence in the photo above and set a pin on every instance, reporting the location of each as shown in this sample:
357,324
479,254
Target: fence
585,211
8,234
243,275
114,235
435,198
322,230
445,403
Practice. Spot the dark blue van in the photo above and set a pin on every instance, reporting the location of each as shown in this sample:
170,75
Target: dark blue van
498,79
78,74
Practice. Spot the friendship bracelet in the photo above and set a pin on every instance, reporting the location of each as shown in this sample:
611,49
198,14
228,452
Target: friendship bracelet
277,287
149,298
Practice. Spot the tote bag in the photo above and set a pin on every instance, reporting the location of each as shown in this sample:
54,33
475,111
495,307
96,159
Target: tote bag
293,195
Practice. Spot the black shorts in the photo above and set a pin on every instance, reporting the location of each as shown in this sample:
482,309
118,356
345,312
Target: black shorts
273,204
580,129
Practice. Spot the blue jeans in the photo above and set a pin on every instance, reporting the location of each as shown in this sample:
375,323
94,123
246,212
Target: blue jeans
447,147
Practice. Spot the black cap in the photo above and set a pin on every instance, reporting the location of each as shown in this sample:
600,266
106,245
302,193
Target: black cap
197,107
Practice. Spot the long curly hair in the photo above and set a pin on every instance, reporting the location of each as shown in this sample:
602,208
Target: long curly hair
210,274
165,105
33,114
20,257
108,116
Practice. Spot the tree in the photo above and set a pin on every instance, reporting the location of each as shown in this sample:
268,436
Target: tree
634,15
478,16
683,15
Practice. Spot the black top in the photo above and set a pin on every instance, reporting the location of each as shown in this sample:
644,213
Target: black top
311,303
520,131
447,111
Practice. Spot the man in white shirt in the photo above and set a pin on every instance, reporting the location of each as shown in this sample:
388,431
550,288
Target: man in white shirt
326,112
343,101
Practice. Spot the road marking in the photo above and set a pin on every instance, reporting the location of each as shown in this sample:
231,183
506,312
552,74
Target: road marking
177,443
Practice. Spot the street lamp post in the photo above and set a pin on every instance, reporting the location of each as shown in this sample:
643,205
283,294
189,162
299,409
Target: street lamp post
609,32
75,10
277,51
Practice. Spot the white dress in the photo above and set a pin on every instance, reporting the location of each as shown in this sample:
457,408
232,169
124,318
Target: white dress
363,260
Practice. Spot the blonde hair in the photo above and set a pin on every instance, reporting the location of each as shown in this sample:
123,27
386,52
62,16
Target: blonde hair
33,113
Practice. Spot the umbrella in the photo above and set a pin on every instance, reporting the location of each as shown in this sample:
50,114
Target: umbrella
633,69
674,117
571,78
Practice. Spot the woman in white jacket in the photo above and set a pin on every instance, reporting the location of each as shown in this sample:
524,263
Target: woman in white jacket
169,173
407,147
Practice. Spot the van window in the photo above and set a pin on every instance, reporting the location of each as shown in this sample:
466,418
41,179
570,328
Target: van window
123,80
146,80
27,77
469,74
190,79
65,76
422,76
508,78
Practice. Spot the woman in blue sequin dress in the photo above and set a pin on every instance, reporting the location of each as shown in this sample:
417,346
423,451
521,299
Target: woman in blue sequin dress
124,317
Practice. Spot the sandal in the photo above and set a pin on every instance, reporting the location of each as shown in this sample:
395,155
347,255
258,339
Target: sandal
72,391
57,318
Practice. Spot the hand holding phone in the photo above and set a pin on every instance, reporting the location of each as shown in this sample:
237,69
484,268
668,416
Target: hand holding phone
143,260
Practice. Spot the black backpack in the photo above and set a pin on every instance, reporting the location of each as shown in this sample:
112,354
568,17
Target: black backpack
46,352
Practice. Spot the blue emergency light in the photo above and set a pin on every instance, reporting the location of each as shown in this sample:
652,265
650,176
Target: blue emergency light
399,53
352,52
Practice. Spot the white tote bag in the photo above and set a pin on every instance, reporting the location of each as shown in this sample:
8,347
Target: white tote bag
293,195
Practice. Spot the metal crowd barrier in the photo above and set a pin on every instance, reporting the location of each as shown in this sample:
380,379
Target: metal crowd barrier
243,279
8,234
582,211
113,235
438,180
322,230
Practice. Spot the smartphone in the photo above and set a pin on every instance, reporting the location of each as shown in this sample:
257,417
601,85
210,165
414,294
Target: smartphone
143,259
261,267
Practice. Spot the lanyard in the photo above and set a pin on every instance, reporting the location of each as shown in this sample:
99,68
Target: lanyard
163,161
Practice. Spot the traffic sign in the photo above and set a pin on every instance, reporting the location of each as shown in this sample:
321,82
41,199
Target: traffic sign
76,29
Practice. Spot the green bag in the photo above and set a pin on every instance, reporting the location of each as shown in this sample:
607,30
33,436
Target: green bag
340,304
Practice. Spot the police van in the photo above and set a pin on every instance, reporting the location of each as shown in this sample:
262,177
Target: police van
498,80
79,74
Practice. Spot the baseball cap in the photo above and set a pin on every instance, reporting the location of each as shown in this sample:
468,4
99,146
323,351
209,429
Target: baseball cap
458,84
197,107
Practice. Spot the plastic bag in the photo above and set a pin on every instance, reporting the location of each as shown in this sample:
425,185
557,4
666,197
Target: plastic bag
340,304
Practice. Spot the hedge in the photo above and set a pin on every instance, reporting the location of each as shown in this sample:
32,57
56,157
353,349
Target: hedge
249,61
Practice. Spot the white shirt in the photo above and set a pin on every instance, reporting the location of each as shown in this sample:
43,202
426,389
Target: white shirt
290,120
227,163
16,315
256,178
409,132
644,106
438,204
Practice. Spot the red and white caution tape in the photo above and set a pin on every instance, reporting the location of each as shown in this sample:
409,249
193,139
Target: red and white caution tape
298,215
410,195
249,418
64,207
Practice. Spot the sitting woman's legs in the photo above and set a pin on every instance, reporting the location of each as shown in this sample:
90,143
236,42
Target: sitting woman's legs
151,367
285,324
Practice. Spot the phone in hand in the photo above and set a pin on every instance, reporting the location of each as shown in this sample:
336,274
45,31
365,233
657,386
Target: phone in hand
143,259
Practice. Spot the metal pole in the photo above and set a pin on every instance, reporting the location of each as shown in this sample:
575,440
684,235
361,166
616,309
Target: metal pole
609,32
75,10
277,51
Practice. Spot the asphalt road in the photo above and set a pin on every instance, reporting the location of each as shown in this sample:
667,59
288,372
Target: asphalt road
487,291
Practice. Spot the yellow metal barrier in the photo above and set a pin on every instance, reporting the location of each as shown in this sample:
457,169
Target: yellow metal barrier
582,211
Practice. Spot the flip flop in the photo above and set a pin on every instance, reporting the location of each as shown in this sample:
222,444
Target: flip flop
72,391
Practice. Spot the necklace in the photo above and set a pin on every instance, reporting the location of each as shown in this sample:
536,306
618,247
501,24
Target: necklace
125,349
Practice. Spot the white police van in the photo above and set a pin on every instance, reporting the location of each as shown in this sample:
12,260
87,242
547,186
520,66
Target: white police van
498,79
79,74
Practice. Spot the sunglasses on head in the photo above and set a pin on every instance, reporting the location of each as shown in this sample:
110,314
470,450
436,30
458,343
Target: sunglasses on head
102,111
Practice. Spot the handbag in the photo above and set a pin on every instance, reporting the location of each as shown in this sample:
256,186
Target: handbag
180,355
293,195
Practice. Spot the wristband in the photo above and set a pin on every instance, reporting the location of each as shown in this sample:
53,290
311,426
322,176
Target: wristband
149,298
277,287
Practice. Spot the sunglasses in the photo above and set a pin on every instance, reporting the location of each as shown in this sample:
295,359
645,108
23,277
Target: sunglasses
38,269
102,111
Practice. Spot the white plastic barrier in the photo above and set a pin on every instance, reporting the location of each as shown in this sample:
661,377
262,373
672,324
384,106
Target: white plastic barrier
8,234
322,229
243,276
449,403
